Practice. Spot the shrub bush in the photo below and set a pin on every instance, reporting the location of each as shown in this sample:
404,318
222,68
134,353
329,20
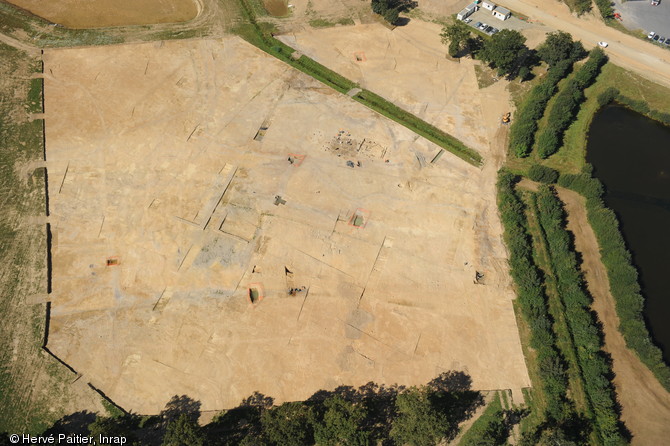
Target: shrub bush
605,8
607,96
542,174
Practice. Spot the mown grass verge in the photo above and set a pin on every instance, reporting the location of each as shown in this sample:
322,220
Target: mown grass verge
489,428
260,35
323,23
418,126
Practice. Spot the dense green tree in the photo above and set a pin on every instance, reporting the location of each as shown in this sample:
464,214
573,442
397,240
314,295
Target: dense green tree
287,425
607,96
183,431
455,35
543,174
559,46
605,7
505,51
340,424
390,9
417,422
391,15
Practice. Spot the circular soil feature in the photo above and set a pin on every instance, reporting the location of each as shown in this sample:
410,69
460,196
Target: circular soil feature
101,13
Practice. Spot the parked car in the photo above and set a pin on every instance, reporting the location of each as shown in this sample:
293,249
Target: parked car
603,44
468,20
656,37
651,35
655,2
483,26
488,30
661,40
494,30
667,41
478,24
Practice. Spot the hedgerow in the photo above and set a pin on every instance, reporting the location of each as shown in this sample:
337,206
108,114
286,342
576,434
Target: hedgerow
568,101
605,8
522,131
532,298
623,276
582,323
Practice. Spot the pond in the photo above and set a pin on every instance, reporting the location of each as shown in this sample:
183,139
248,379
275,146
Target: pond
631,156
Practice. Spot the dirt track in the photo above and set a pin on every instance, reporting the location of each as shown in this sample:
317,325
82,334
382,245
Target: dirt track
645,403
629,52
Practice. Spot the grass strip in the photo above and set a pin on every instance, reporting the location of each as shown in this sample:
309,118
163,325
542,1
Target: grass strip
260,35
418,126
489,429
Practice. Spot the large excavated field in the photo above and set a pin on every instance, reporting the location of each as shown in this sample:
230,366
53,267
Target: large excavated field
173,199
100,13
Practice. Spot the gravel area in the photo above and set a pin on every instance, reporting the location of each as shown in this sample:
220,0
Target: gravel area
640,14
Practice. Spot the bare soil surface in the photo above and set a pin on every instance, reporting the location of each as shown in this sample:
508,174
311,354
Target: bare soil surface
35,388
644,58
200,172
102,13
645,403
407,65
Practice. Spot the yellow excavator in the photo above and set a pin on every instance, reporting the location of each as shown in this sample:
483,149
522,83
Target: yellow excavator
506,118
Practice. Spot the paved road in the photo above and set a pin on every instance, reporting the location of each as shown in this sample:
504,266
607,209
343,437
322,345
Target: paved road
627,51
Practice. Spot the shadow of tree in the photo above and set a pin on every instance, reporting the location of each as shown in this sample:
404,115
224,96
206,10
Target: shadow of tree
449,393
452,381
76,423
402,21
179,405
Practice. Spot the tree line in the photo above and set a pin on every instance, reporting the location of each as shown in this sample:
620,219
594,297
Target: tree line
623,276
567,104
583,324
560,52
393,415
390,9
532,300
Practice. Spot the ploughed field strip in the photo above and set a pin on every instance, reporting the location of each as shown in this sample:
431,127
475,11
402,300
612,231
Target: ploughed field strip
101,13
224,224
